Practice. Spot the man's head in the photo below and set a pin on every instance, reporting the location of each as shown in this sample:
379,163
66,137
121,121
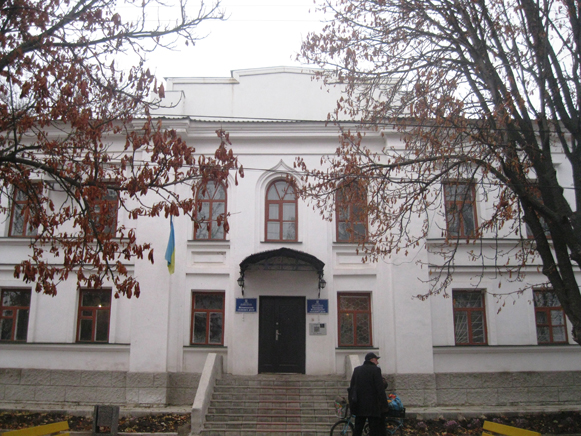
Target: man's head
371,357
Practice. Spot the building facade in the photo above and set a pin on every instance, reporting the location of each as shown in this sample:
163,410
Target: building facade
284,291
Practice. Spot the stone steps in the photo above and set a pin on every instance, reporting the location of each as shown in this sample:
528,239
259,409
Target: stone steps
265,405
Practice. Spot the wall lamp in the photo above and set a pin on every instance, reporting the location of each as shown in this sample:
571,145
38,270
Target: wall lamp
322,283
241,282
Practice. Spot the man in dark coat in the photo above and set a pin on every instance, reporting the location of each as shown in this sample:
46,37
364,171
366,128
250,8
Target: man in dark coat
367,398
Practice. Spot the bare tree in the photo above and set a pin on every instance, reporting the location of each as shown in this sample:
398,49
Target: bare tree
485,94
64,99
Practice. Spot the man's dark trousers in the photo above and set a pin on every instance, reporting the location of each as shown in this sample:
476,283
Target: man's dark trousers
376,425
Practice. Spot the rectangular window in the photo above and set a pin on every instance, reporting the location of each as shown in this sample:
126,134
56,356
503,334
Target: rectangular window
550,318
14,310
21,214
354,319
460,204
542,221
94,315
207,318
211,213
469,318
351,213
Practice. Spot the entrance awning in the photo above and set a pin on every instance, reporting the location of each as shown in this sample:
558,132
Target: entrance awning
283,259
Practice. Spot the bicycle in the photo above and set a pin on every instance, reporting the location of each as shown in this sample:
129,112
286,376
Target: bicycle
346,425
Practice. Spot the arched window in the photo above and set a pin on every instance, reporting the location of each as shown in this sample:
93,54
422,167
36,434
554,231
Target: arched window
351,213
211,212
281,212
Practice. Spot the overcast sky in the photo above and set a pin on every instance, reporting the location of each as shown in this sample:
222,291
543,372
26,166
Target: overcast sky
258,33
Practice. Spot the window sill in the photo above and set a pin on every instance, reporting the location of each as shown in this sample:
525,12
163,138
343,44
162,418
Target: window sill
281,242
204,346
487,349
48,346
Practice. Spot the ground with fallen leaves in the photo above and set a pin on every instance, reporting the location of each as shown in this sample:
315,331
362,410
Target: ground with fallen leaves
545,423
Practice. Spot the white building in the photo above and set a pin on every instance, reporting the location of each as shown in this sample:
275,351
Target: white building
152,350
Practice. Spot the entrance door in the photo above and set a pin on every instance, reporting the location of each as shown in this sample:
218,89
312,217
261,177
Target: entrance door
281,338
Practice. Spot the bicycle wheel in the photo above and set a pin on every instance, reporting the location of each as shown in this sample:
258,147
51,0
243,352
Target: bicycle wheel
342,428
394,426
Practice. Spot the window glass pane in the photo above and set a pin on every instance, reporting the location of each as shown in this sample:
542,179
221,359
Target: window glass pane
354,302
273,193
205,301
6,329
199,335
347,330
461,327
289,231
220,192
217,210
363,329
21,325
452,220
557,317
342,233
541,317
273,211
18,220
204,212
467,299
289,211
343,213
86,330
359,231
202,232
559,334
102,333
543,334
468,219
7,313
546,299
16,298
273,230
96,299
289,192
215,328
478,327
217,231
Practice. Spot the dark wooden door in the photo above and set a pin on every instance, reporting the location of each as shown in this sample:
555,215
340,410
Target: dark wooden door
281,338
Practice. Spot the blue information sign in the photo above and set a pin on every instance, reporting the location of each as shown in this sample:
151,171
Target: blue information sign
318,306
246,305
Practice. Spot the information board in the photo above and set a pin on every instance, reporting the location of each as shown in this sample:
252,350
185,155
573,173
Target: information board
246,305
318,306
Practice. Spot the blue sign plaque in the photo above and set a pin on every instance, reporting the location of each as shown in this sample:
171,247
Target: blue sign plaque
318,306
246,305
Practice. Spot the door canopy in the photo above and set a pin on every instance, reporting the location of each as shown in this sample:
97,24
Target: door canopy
283,259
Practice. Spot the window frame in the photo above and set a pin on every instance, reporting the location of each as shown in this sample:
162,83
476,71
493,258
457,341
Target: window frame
350,220
469,311
195,310
15,315
369,312
93,317
280,202
547,310
459,206
212,201
27,231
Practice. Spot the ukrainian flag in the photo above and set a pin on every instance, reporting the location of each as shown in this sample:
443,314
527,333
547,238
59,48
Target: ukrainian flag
170,252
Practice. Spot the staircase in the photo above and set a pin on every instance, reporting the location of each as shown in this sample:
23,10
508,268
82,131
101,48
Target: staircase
291,404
